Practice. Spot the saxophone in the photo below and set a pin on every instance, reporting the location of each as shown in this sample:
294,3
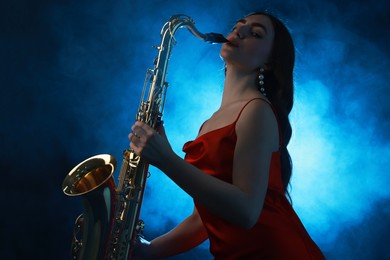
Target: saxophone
109,226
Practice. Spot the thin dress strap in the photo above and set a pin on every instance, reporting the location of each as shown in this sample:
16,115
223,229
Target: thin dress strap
273,110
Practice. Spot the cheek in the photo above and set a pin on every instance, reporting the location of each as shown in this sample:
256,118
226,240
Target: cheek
259,55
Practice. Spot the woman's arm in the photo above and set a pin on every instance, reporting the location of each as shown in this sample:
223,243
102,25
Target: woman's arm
187,235
240,202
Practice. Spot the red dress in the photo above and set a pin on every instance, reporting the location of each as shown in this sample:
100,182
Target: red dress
278,233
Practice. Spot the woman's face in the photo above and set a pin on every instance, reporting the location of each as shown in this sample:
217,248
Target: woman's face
250,43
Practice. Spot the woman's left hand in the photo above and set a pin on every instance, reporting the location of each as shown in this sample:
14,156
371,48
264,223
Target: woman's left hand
150,144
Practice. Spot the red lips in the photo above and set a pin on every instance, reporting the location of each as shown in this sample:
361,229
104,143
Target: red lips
233,43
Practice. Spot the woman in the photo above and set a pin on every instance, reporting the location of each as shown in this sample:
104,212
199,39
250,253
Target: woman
238,168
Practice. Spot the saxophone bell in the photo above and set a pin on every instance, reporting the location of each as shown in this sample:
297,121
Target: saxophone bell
92,180
89,175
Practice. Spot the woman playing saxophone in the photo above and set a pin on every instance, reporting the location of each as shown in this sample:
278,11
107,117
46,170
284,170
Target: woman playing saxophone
238,168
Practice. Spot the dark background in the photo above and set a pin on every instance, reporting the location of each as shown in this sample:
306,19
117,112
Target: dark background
71,77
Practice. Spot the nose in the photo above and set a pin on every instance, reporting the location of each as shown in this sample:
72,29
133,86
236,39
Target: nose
241,31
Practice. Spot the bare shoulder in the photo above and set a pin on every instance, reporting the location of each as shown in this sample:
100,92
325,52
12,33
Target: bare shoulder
258,122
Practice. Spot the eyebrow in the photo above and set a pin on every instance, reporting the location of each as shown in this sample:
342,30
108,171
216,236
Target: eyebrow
254,25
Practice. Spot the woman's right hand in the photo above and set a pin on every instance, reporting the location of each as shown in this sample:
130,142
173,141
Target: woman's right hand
151,144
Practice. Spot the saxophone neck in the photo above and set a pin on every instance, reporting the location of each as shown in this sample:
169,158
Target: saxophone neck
151,109
180,20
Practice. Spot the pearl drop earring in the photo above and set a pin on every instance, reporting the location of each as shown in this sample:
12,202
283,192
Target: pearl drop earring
261,82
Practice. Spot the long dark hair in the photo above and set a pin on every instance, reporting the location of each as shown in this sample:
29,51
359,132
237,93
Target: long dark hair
280,88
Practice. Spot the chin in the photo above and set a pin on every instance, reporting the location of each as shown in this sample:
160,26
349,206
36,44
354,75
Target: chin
225,55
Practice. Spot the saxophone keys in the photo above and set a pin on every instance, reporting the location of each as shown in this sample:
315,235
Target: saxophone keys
140,226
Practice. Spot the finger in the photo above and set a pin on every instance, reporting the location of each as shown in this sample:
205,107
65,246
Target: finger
139,124
135,149
137,131
145,127
131,136
134,146
135,127
137,139
132,140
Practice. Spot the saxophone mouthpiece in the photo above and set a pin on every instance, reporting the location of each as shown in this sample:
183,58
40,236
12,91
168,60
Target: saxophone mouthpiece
215,38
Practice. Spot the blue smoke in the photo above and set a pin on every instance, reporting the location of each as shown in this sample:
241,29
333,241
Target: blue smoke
72,75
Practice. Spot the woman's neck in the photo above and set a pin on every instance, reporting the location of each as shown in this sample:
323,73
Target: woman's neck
239,85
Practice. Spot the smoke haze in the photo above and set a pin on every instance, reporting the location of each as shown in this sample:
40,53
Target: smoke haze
71,79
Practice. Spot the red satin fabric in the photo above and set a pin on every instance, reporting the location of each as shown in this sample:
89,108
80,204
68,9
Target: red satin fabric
278,233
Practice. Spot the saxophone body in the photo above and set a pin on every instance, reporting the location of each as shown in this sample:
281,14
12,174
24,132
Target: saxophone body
109,225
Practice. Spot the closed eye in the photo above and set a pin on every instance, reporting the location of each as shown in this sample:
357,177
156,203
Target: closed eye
257,35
